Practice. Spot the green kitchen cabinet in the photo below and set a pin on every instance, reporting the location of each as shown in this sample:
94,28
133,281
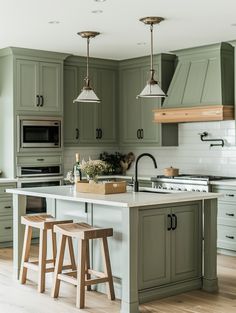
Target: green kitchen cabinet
38,86
136,114
71,116
226,220
90,123
170,245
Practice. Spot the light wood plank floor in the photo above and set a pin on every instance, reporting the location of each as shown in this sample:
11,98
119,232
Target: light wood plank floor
16,298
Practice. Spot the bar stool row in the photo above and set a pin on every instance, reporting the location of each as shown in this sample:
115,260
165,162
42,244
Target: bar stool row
80,275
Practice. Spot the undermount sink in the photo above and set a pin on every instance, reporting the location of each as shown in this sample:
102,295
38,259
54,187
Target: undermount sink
153,190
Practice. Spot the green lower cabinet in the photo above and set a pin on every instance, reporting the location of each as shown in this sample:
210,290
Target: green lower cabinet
170,245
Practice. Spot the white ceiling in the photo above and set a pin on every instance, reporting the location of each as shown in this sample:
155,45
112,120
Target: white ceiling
188,23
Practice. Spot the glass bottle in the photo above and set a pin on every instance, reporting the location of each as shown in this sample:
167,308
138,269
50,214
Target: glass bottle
77,169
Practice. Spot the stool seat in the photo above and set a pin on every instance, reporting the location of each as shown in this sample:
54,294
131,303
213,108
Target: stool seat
84,276
83,231
42,221
45,223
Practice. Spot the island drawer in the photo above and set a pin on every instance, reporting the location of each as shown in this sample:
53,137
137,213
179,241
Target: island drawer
6,229
39,160
226,237
3,190
6,207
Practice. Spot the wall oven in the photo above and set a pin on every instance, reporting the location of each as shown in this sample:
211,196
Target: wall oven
38,132
37,204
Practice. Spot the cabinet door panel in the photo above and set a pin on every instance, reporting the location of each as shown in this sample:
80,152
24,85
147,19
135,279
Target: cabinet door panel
186,243
50,87
154,252
107,108
27,86
130,88
151,130
88,112
71,135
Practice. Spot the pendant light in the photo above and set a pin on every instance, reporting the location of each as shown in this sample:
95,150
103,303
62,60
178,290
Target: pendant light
152,89
87,93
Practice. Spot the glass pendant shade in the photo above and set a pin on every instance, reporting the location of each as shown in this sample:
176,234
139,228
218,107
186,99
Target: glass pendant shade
87,95
152,90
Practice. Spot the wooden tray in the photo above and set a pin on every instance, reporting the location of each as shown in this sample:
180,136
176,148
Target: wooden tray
101,188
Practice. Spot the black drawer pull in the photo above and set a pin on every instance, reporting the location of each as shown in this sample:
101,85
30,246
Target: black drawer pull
229,214
174,225
8,227
230,237
7,207
229,195
41,160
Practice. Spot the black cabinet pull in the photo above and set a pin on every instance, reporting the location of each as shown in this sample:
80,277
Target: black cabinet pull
42,101
38,100
97,133
169,221
8,227
229,214
230,237
174,224
229,195
7,207
41,160
137,133
141,133
100,133
77,133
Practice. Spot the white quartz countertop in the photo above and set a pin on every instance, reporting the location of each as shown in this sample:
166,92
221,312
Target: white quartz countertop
7,180
128,199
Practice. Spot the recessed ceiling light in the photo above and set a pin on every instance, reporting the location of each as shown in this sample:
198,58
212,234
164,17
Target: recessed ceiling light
97,11
234,24
99,0
54,22
141,43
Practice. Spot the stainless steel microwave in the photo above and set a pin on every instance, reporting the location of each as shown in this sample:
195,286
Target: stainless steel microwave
39,132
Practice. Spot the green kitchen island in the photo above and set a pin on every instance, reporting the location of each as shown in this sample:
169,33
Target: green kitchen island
159,247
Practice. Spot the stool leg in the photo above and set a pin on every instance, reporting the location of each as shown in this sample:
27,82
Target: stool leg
87,264
81,274
58,267
107,269
25,253
72,255
54,247
42,259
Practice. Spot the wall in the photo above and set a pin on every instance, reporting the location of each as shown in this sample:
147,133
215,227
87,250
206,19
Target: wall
192,156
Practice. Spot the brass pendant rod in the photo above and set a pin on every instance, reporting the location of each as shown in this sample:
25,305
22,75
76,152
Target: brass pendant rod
151,29
88,39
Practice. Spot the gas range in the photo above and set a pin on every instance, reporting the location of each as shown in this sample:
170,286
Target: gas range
186,182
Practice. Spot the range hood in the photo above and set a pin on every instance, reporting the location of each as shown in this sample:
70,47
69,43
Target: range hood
202,88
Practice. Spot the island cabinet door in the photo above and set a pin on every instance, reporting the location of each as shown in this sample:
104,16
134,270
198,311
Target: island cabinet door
154,247
186,242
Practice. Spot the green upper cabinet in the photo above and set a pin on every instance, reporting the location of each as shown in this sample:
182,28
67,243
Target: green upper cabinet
203,76
90,123
136,115
38,86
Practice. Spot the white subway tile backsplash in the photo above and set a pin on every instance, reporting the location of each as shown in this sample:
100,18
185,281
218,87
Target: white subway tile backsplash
191,156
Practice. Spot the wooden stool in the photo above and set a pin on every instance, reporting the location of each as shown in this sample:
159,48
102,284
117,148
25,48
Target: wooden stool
43,222
82,277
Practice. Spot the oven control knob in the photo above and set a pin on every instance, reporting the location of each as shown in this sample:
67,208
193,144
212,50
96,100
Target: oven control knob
159,186
179,189
204,191
164,187
171,188
193,190
198,190
185,189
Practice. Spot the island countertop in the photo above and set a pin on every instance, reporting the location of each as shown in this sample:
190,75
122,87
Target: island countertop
127,199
